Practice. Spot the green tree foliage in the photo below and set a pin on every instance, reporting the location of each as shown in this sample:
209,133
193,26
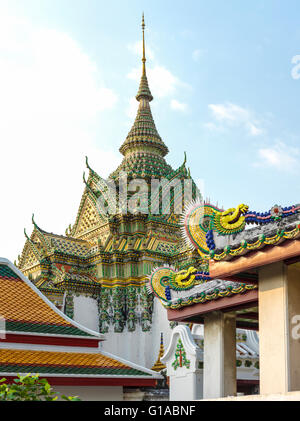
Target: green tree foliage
30,388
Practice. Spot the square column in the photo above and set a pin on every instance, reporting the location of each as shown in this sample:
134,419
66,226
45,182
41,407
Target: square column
279,328
219,365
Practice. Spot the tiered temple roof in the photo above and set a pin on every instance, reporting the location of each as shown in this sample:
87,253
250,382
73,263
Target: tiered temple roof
25,310
107,253
70,350
66,363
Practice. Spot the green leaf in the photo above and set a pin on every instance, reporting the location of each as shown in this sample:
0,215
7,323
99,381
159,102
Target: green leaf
29,388
70,398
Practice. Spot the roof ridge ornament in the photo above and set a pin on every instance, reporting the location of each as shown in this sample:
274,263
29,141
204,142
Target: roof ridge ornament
87,165
34,223
33,247
26,235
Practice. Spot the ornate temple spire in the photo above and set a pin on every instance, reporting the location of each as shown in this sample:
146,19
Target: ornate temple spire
144,55
144,90
143,136
158,366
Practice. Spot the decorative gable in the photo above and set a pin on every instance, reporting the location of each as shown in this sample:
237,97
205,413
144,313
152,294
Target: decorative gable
88,218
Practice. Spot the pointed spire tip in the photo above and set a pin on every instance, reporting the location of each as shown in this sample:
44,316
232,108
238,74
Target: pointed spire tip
144,91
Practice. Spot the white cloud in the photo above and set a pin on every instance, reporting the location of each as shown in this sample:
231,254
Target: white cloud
279,156
178,106
253,129
233,115
137,49
51,97
161,81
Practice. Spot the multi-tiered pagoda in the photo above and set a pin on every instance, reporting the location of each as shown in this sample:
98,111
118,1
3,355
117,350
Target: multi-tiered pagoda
96,272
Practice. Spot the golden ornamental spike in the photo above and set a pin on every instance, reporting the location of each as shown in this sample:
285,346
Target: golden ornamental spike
144,55
159,366
144,91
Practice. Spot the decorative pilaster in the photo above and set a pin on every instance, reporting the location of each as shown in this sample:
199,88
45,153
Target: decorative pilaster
118,303
104,305
69,305
146,302
131,305
182,359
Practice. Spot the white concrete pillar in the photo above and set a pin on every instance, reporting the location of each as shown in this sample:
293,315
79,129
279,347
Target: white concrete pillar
279,344
219,365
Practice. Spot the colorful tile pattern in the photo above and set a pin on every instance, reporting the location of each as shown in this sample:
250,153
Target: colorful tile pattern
25,311
68,246
204,297
46,362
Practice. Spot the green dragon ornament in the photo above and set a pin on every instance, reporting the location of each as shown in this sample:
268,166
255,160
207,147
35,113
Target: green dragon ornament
203,226
199,222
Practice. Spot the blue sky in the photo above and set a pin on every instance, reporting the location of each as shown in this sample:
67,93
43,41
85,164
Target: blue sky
220,73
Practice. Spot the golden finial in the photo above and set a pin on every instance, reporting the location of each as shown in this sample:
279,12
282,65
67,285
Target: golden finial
144,91
158,366
144,56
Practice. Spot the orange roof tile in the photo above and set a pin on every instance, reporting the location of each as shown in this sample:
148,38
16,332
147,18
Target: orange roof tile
12,360
19,302
25,310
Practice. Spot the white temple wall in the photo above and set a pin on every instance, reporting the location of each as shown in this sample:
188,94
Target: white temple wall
140,347
132,346
86,312
186,387
92,393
